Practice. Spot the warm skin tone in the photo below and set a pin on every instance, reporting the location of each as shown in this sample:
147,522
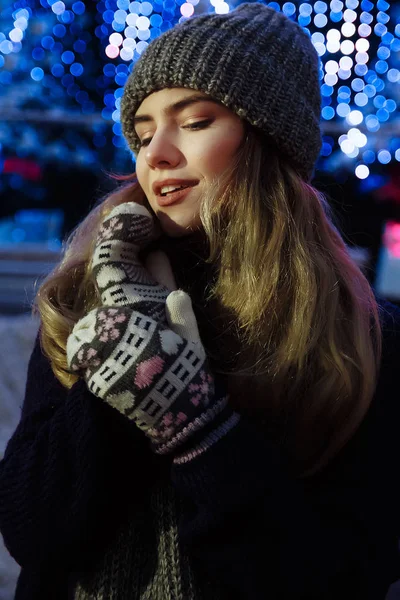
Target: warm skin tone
195,142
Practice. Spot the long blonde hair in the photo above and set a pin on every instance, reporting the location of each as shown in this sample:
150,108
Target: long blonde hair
300,317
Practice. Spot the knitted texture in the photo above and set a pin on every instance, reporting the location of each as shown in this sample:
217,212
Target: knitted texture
146,561
129,351
254,60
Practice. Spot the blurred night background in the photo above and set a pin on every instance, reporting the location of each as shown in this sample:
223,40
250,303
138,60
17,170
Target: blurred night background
63,66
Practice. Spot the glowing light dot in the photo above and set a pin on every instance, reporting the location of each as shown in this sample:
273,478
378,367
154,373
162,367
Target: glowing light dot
362,45
349,15
362,58
126,54
369,157
384,157
381,67
333,34
222,8
187,9
344,74
333,46
328,113
57,70
364,30
112,51
144,35
383,115
347,146
383,52
343,109
372,123
78,8
289,9
320,48
76,69
357,137
48,42
37,74
318,37
116,39
131,32
362,171
305,9
346,63
58,8
21,23
320,20
331,79
16,35
22,14
361,99
370,91
6,47
146,8
141,47
348,29
331,67
120,16
129,44
59,30
143,23
68,57
380,101
347,47
131,19
355,117
366,17
357,85
134,7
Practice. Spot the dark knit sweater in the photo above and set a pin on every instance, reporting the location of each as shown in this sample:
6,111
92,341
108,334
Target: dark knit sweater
83,499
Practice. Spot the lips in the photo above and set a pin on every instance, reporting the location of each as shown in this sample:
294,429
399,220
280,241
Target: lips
158,185
174,197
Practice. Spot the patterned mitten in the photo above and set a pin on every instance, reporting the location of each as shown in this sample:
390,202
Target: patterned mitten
141,351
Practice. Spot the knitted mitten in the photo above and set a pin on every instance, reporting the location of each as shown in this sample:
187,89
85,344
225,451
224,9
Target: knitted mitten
141,351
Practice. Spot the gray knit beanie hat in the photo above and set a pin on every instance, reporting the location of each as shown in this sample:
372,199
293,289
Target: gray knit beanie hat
254,60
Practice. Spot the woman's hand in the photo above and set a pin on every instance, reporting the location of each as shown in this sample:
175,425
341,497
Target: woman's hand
141,351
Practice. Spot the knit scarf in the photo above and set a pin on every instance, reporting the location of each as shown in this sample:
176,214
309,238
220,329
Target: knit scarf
146,560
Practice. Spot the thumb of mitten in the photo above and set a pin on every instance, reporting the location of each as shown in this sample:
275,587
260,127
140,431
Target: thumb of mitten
180,316
83,332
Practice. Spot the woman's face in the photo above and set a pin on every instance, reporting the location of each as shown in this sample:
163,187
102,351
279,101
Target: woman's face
185,135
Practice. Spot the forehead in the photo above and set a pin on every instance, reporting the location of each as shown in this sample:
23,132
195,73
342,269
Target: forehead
167,96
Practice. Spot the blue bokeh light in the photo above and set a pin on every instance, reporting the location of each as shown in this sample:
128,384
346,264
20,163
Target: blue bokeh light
37,74
75,69
68,57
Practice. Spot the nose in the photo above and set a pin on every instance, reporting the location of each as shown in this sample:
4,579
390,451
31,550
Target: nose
161,151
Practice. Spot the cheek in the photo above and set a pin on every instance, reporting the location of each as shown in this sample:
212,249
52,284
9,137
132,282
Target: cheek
140,173
217,156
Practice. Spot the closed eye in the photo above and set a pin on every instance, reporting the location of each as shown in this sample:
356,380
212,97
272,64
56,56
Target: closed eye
193,127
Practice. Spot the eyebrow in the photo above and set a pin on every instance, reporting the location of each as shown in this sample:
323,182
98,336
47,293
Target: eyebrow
175,107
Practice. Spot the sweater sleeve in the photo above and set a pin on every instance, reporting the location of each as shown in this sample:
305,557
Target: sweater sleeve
263,533
71,470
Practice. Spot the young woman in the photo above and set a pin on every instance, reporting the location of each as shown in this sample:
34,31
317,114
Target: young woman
211,406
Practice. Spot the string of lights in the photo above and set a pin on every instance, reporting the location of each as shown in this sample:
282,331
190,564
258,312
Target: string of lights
74,57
